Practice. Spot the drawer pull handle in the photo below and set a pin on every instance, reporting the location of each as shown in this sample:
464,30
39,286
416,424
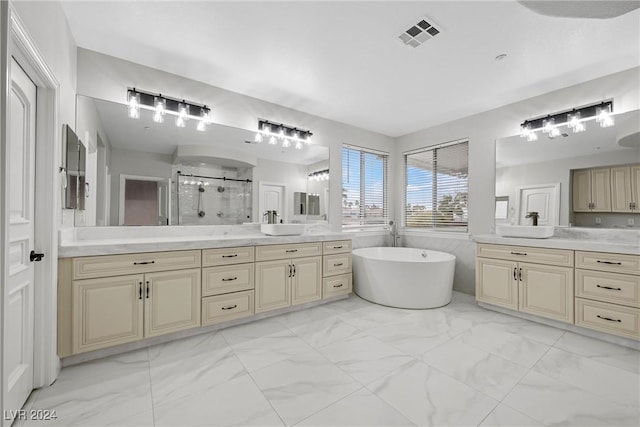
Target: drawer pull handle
520,274
230,279
519,253
609,262
609,319
338,247
515,273
147,289
338,286
291,250
609,287
294,271
140,290
230,256
338,264
231,307
143,262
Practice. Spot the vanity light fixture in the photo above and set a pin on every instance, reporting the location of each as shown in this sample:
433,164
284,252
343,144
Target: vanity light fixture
575,119
162,105
286,134
321,175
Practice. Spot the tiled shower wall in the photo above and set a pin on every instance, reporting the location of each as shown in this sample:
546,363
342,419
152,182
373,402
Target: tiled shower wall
204,201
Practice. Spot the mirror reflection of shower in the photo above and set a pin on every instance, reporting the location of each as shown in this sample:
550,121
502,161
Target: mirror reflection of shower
212,200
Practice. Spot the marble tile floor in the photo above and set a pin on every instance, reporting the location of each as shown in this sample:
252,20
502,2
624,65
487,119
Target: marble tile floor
353,363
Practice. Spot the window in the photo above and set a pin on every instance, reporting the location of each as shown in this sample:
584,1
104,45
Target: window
437,190
364,188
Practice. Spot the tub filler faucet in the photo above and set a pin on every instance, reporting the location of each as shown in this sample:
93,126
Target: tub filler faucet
393,228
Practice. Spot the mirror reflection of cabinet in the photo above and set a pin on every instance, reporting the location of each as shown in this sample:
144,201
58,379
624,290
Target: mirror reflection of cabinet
299,203
592,190
75,166
313,204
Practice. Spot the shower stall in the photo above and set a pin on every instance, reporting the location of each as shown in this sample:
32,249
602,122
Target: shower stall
208,200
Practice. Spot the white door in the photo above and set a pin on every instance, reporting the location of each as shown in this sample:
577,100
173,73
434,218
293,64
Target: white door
271,199
544,199
17,381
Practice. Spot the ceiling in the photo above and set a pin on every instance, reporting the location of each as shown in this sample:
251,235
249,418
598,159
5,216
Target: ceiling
344,61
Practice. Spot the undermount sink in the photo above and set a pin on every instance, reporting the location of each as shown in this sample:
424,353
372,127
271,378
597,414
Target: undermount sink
282,229
528,231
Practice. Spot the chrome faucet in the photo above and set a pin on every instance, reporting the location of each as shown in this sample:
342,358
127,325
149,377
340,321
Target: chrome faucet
270,216
534,217
393,228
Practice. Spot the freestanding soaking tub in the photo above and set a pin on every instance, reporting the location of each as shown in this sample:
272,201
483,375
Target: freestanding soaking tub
403,277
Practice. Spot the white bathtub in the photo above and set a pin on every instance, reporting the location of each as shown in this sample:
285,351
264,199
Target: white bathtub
403,277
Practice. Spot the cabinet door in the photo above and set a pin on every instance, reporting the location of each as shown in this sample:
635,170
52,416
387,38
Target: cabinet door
496,282
581,191
635,188
106,312
273,285
306,282
546,291
621,189
601,190
172,301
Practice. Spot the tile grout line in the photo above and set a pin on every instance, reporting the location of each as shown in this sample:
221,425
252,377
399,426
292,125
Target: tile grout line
153,406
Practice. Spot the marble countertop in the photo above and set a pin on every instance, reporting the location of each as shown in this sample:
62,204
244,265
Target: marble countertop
75,248
580,243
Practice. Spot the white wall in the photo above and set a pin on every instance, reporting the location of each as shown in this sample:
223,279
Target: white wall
105,77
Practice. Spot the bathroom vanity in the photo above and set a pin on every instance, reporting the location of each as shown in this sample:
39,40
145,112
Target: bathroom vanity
116,299
557,279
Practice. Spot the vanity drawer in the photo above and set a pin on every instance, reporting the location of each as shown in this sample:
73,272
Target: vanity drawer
611,318
227,278
221,308
603,261
337,285
610,287
293,250
336,247
547,256
336,264
119,265
226,256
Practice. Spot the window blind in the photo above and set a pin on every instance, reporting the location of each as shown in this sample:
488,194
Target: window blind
437,190
364,188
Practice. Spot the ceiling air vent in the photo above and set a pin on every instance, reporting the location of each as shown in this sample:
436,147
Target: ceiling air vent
419,33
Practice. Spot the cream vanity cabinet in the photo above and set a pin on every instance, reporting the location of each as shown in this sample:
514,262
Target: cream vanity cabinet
115,299
287,275
625,189
608,293
227,284
336,268
592,190
537,281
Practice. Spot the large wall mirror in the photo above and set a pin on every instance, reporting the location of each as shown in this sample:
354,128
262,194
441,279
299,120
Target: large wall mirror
538,175
141,172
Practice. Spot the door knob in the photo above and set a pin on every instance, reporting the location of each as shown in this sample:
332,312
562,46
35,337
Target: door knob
33,256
